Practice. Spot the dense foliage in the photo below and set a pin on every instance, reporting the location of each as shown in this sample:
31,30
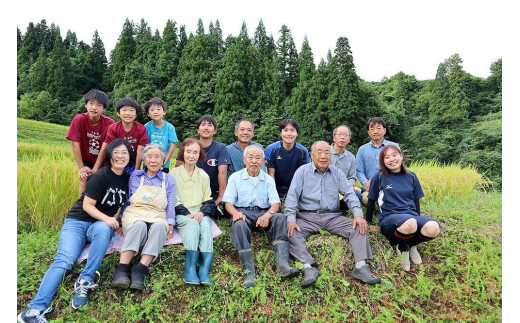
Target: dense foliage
455,117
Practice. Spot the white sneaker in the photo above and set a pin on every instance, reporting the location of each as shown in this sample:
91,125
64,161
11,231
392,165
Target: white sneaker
404,258
415,256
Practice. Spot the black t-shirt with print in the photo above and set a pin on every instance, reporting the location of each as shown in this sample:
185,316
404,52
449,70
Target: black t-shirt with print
108,189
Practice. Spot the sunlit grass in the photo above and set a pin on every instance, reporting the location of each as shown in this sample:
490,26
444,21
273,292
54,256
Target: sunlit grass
444,181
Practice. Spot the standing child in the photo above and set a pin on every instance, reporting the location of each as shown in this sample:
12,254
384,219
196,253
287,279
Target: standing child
128,129
87,132
160,131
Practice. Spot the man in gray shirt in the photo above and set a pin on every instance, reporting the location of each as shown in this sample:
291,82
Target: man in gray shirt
342,158
312,204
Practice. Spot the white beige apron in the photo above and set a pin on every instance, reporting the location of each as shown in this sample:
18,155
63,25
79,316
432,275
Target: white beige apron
147,204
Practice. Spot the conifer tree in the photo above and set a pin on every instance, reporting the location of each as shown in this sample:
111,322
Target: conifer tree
39,71
288,60
263,43
59,83
235,88
300,111
183,40
18,38
97,61
71,43
268,103
197,75
168,58
123,53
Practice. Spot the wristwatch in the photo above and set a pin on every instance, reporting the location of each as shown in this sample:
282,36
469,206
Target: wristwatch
272,212
170,232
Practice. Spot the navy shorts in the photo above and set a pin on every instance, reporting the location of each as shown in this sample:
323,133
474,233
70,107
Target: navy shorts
391,222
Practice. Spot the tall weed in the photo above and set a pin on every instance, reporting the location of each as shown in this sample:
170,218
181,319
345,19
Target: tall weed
440,182
32,151
46,188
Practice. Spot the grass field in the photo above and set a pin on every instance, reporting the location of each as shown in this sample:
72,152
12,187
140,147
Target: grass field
460,279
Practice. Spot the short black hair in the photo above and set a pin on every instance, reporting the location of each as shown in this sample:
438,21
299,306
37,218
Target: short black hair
207,118
154,101
376,120
127,102
286,122
118,142
244,120
99,96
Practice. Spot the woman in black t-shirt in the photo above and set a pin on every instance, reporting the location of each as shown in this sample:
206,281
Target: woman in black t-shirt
93,219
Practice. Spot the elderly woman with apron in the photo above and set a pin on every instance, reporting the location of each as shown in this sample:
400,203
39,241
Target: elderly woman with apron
148,220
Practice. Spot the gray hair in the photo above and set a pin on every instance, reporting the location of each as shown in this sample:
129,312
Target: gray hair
248,148
238,122
336,130
151,146
317,142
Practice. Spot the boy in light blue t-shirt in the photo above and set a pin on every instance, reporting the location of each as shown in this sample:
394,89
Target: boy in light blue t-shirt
160,131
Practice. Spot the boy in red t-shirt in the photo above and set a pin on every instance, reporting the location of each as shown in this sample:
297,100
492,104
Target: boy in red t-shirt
128,129
87,133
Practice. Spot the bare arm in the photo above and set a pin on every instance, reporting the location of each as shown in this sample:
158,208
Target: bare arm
170,152
222,182
100,157
270,171
234,213
84,171
89,206
138,159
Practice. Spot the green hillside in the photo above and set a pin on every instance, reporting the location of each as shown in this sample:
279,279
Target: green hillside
460,279
37,132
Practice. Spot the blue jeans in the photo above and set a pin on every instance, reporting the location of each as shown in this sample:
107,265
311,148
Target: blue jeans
73,237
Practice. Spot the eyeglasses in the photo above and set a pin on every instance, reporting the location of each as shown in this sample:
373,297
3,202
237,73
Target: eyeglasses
120,153
342,135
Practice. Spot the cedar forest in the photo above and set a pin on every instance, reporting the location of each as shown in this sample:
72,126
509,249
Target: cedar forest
455,118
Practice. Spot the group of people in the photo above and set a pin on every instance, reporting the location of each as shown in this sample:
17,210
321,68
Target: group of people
283,191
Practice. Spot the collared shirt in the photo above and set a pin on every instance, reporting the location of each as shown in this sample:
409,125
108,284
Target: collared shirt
367,160
156,180
243,190
237,157
191,191
313,190
346,162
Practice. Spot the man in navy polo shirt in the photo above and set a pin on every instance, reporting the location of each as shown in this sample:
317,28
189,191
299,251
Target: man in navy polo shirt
285,156
217,163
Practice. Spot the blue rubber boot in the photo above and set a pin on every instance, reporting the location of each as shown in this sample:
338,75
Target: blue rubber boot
204,266
190,267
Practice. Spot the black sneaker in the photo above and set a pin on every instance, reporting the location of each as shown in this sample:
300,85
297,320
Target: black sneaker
38,318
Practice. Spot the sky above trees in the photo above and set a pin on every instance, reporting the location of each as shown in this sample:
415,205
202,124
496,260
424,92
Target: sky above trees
386,36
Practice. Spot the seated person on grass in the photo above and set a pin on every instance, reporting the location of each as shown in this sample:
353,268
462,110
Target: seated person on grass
194,207
148,220
312,205
93,219
397,192
252,201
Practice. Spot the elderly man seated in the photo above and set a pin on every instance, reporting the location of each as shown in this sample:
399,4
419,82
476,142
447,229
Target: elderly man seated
252,200
312,205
